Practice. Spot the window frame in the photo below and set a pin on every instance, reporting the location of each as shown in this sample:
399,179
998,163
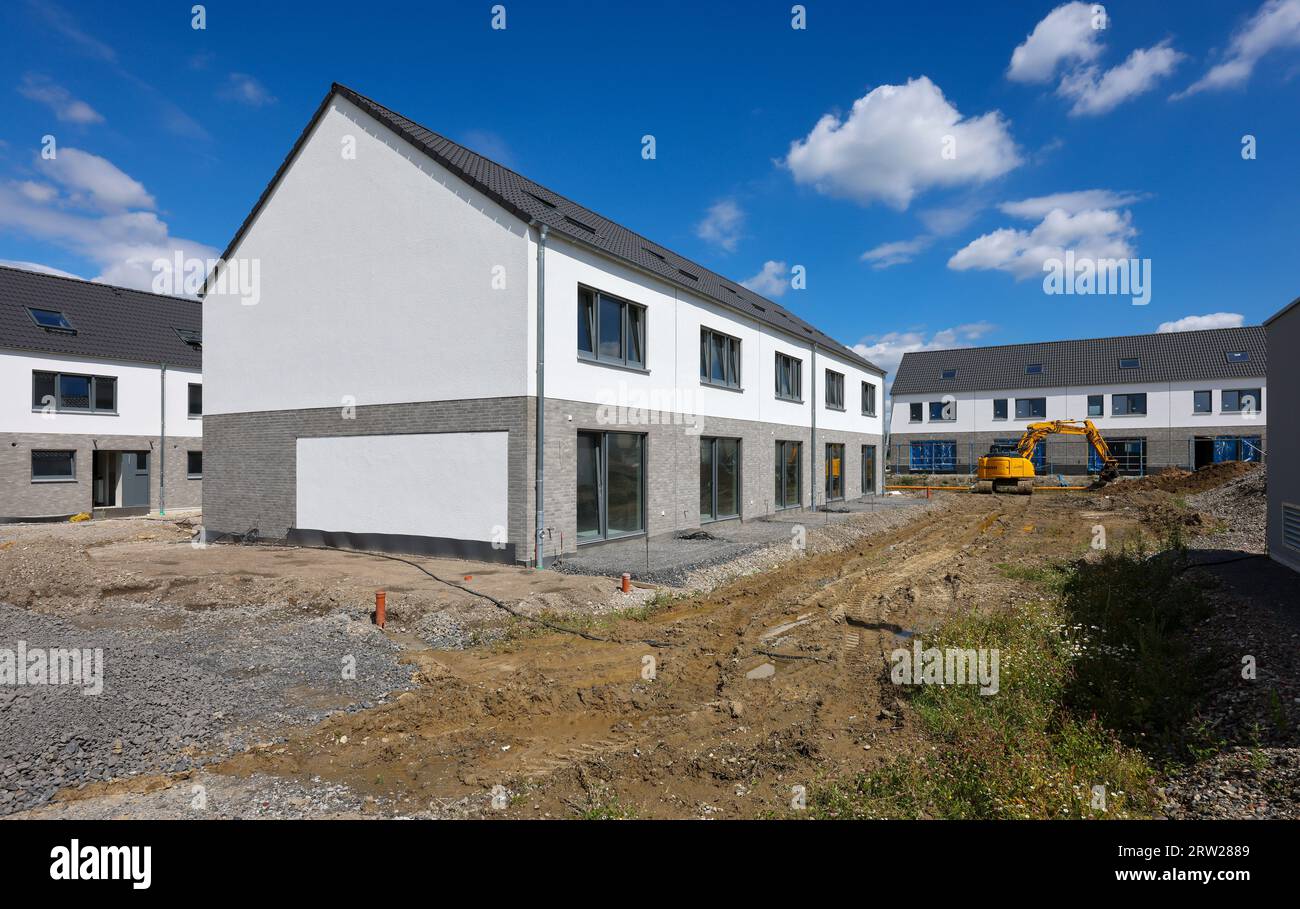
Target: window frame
189,472
189,401
71,478
1006,410
67,328
1209,393
868,395
834,381
913,415
781,502
92,395
1033,369
626,308
1128,398
1237,393
1031,415
796,378
1134,363
869,489
732,359
602,487
941,418
826,469
1237,356
1101,405
713,441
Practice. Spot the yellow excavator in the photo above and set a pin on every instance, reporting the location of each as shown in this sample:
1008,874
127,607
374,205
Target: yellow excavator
1011,469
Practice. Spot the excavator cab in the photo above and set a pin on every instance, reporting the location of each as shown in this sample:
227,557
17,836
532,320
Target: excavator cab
1008,468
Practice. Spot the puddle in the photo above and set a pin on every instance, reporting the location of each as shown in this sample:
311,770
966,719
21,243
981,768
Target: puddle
766,671
904,634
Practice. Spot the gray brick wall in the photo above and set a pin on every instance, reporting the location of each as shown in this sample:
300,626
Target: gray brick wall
20,497
1069,454
250,462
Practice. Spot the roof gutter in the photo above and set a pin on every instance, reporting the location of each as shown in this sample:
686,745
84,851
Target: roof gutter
539,468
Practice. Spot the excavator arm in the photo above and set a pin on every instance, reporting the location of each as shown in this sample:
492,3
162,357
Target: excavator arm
995,469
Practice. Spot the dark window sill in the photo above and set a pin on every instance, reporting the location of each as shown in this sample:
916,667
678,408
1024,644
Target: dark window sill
790,400
54,480
611,364
721,387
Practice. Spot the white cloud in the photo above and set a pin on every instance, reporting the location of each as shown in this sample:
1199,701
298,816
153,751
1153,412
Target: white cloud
245,89
58,99
1072,202
1274,26
887,350
1065,35
722,224
887,255
95,181
39,268
1092,234
892,144
1197,323
1095,93
772,281
37,192
103,215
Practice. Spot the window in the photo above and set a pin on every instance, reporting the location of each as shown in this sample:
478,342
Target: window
611,485
142,463
190,337
943,411
1034,369
196,400
933,457
868,399
949,374
51,320
719,479
719,359
1128,405
194,465
1031,408
868,470
1130,456
68,392
914,411
1203,402
53,466
1096,405
834,471
1237,356
610,330
789,381
1242,400
834,390
789,475
999,408
1130,363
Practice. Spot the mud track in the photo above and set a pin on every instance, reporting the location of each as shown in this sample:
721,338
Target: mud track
773,681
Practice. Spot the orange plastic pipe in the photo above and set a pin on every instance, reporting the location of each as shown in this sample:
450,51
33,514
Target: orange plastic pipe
380,604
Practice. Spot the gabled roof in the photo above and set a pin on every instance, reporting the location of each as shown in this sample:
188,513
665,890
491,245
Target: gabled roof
1290,307
1169,357
533,202
113,323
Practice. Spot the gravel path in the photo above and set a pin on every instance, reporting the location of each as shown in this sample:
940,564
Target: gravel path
180,688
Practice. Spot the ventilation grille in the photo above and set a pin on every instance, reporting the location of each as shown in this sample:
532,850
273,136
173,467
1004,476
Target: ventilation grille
1291,526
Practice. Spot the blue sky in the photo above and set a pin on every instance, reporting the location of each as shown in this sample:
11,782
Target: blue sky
817,147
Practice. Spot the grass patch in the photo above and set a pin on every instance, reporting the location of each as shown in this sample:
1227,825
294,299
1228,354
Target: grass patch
612,810
1051,576
1097,687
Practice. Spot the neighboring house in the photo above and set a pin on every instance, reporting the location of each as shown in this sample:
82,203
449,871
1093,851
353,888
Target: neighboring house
382,389
103,398
1177,399
1284,463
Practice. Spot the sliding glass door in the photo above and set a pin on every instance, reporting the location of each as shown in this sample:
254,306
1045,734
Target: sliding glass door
611,485
789,475
719,479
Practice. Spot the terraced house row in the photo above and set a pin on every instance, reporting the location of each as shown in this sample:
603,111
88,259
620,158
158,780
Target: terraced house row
448,357
1179,399
102,411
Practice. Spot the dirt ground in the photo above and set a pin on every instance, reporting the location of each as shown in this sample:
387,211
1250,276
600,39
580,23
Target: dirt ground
714,705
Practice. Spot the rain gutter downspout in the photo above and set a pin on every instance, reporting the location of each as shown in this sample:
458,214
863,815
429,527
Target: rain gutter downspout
539,557
162,440
812,393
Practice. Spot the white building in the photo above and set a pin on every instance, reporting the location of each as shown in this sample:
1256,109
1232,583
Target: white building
103,410
417,301
1177,399
1284,465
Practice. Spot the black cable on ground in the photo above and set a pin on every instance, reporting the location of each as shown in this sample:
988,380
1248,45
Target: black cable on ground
250,538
